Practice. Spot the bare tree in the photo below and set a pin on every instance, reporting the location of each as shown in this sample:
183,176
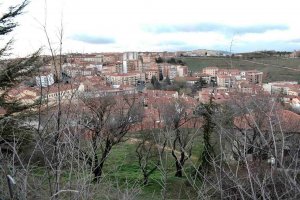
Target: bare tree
148,153
175,116
107,120
258,173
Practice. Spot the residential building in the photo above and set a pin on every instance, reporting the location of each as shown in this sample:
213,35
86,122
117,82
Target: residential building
269,87
151,72
130,56
212,71
73,71
254,77
44,80
64,91
125,79
228,72
225,81
173,70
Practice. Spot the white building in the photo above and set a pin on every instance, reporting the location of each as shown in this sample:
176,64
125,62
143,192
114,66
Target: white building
93,58
125,69
44,80
130,56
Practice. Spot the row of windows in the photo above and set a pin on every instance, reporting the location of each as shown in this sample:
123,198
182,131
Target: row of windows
62,93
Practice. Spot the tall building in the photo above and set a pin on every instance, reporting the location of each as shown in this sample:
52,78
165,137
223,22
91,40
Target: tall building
212,71
254,77
124,66
130,62
130,56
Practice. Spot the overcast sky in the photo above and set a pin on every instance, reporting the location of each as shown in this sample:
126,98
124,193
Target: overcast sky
159,25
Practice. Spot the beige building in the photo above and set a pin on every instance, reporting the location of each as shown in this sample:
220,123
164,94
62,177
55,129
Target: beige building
173,71
225,81
254,77
212,71
125,79
151,72
229,72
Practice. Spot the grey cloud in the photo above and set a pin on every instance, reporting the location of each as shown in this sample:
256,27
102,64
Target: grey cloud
93,39
171,43
213,27
297,40
266,45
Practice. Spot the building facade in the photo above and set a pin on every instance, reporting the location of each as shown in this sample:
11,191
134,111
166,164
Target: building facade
44,80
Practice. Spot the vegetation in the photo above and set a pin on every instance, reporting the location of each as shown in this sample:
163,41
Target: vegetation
173,61
101,147
207,112
12,72
155,83
274,68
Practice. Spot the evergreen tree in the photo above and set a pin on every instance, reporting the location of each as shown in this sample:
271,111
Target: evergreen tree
153,79
207,110
155,83
161,77
159,60
167,80
13,72
199,85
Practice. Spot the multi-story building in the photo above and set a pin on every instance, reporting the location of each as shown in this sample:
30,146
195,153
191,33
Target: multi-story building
93,58
125,79
173,70
45,80
151,72
132,65
80,71
276,87
65,91
130,56
112,57
212,71
246,87
254,77
225,81
228,72
182,70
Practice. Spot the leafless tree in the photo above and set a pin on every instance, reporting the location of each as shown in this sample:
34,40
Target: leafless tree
175,116
247,168
149,153
107,120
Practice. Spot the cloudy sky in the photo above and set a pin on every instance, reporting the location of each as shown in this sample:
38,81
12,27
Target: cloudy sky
158,25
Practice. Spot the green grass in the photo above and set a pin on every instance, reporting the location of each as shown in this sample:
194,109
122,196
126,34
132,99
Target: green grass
122,165
271,72
121,170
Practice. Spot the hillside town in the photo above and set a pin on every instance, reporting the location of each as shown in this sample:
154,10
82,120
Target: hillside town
133,72
134,100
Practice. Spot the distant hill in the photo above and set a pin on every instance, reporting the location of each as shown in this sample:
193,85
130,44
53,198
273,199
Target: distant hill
205,52
263,54
246,55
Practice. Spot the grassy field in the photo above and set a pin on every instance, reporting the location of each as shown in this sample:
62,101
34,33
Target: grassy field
122,165
274,68
122,172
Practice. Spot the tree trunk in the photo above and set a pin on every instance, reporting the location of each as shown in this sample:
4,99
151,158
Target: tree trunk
146,179
98,167
178,169
96,170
